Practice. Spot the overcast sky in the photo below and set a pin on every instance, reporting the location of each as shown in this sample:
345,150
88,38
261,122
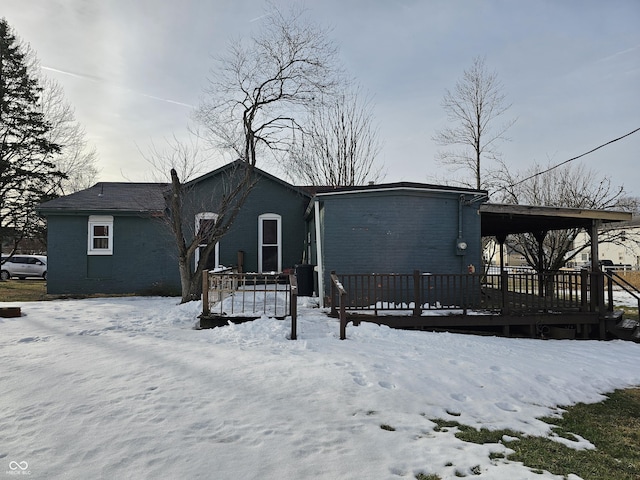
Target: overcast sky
134,69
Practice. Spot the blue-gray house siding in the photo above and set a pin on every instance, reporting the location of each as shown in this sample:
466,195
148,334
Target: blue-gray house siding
399,230
143,259
390,228
269,195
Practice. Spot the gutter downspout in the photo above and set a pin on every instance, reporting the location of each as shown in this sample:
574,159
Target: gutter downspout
319,258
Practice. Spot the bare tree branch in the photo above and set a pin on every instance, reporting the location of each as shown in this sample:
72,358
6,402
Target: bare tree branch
260,87
339,145
571,186
473,107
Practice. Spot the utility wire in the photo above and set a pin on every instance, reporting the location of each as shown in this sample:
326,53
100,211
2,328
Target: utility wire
570,160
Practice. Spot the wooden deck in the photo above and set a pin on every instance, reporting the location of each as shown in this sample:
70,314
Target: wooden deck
564,304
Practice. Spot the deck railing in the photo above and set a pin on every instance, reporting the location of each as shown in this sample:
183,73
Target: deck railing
614,279
250,295
507,292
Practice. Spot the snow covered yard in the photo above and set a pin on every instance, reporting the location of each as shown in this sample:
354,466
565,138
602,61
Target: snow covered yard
126,388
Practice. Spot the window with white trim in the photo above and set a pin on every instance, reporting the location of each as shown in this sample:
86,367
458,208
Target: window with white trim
100,241
269,243
205,223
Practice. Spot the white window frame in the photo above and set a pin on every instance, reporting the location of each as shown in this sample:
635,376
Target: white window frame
206,216
278,218
100,221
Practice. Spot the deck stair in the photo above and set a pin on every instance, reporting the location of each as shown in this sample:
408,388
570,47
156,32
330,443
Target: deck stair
631,328
617,325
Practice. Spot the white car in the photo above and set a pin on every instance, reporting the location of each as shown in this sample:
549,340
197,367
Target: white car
23,266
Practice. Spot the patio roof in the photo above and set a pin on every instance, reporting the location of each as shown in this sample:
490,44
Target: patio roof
503,219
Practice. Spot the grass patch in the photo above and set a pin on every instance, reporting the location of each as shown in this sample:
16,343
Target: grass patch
633,277
431,476
629,312
15,290
388,428
23,290
613,426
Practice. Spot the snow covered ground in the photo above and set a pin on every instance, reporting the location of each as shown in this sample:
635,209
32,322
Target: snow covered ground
126,388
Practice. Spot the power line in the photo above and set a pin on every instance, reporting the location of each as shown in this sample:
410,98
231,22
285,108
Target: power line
570,160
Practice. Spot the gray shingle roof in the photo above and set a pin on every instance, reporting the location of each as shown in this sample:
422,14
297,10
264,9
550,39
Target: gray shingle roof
111,197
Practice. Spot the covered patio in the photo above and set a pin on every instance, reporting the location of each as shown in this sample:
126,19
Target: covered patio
532,303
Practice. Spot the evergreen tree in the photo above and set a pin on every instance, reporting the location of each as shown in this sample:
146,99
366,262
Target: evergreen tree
27,171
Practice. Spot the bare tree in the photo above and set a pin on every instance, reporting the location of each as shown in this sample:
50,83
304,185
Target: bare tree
260,89
474,107
571,186
76,158
195,239
339,143
254,99
203,236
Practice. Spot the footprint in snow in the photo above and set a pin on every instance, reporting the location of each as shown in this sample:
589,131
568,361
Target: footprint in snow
388,385
359,379
33,339
507,407
460,397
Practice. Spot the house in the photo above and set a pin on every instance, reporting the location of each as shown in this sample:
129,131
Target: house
111,238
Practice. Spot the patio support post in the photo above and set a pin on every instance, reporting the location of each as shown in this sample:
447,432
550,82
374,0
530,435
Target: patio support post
540,236
597,282
504,279
501,239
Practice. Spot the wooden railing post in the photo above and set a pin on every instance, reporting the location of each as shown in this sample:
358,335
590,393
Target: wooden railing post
417,293
205,292
609,291
504,279
465,291
293,306
335,282
584,290
334,312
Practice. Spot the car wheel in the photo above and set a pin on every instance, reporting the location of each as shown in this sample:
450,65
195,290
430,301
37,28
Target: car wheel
44,275
4,275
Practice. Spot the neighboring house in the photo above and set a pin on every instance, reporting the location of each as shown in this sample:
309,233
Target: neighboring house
111,237
625,251
511,257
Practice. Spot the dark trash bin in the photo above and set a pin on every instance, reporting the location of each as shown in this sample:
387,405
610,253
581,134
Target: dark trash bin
304,276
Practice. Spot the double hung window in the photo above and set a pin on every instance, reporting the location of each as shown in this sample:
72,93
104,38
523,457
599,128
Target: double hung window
269,243
100,240
205,224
